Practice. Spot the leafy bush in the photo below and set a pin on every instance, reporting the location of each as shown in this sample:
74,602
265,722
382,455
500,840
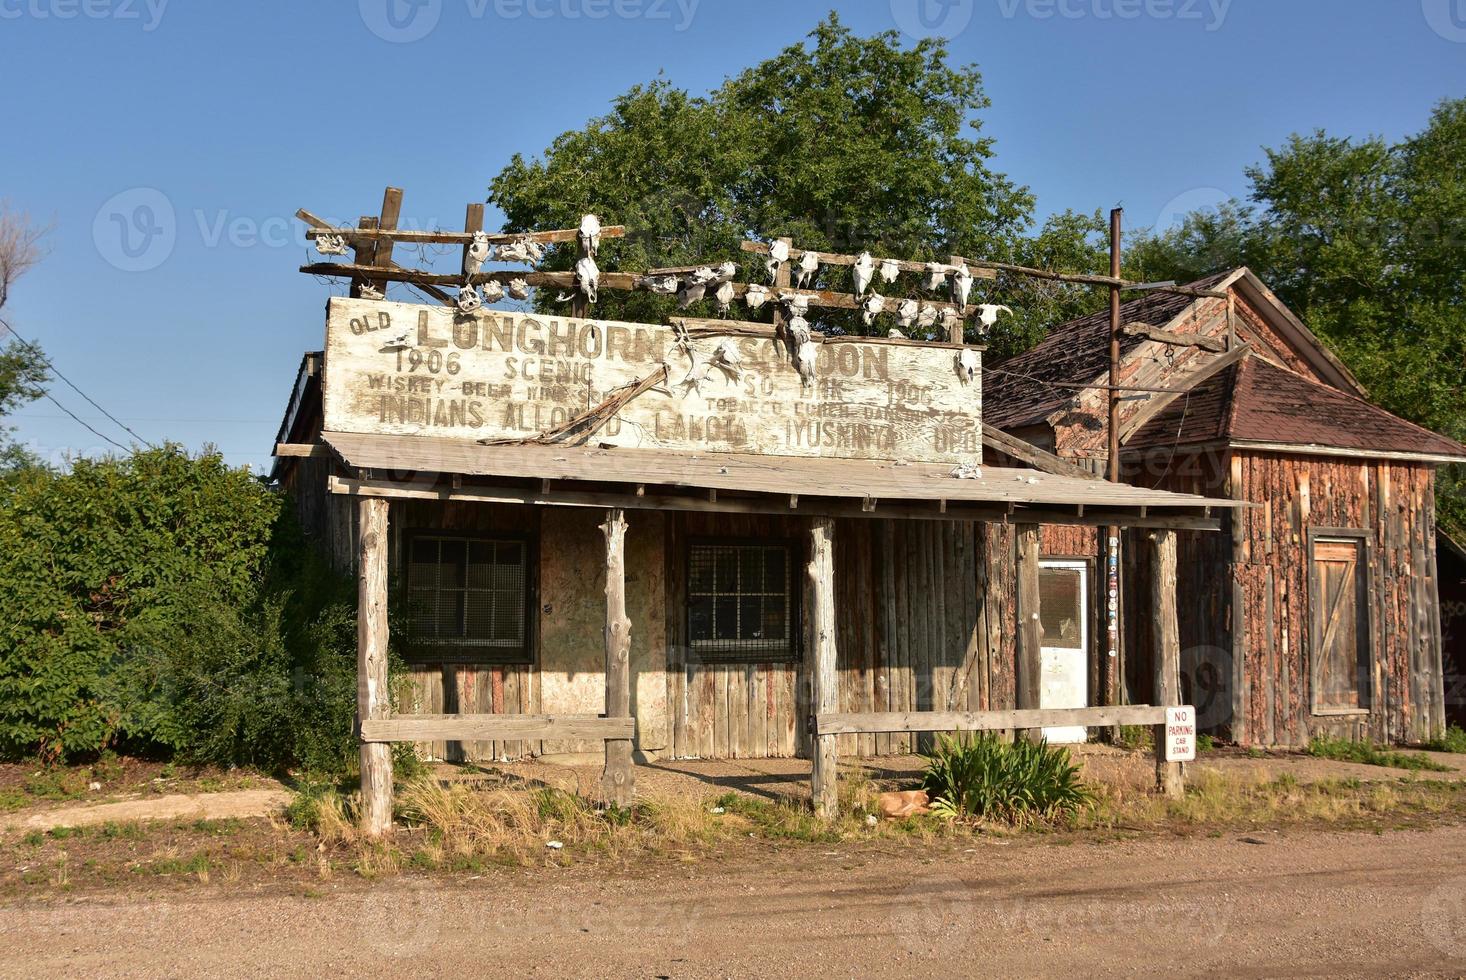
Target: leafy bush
1343,750
1454,740
165,600
982,776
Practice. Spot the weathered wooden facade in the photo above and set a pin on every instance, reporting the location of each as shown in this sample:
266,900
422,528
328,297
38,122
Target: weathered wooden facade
1317,610
709,539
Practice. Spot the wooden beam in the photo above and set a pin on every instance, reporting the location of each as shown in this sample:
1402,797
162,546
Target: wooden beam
1026,452
1183,385
825,697
303,450
1167,651
387,221
848,723
442,237
1150,332
618,781
485,728
432,292
373,698
831,507
1030,630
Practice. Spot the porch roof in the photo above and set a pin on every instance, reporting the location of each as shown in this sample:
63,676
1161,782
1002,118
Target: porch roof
873,483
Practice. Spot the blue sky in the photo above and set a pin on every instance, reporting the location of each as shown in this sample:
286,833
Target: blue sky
207,124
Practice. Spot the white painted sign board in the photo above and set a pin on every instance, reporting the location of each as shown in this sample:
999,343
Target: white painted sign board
408,369
1181,734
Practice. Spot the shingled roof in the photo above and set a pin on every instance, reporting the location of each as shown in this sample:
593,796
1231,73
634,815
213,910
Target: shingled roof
1020,391
1255,401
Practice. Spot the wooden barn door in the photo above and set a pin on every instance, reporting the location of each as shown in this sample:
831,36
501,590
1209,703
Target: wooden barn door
1339,626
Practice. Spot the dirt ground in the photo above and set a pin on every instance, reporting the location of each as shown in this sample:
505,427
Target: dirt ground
1304,903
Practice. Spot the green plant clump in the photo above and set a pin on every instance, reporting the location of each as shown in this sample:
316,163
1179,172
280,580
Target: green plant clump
1454,740
1343,750
981,776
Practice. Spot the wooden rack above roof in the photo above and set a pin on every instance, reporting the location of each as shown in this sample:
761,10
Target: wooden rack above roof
440,237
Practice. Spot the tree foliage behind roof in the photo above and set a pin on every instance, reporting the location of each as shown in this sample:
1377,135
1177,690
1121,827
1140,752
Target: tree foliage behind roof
1365,240
843,143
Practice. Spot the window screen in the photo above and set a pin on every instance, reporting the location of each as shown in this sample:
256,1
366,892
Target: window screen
739,601
467,597
1061,606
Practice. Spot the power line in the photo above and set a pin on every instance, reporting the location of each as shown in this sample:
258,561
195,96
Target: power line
48,396
52,366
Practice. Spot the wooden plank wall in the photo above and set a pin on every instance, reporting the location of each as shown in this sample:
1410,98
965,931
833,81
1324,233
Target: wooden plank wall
924,619
1394,503
452,688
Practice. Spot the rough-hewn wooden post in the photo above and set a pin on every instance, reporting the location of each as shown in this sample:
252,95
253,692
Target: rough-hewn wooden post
1166,654
373,699
825,696
1030,630
618,782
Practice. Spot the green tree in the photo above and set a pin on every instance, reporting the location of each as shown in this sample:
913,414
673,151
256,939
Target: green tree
842,143
23,374
1364,239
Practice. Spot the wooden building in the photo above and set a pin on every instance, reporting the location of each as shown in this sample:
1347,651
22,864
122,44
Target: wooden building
1318,609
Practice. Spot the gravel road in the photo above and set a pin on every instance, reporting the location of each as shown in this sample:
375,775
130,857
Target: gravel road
1264,904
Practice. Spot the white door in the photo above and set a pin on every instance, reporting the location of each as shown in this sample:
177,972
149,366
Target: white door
1063,609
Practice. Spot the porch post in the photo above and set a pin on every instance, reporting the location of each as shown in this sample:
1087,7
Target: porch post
824,698
1166,654
618,781
1030,629
373,700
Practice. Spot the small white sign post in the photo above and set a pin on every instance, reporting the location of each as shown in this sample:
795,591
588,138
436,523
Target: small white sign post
1181,734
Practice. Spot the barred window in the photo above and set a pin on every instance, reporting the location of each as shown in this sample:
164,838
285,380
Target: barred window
467,597
740,605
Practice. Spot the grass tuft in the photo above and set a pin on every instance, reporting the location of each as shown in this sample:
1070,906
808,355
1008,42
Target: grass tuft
1343,750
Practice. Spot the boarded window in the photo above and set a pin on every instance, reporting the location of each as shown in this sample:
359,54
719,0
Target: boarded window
740,605
1340,626
467,598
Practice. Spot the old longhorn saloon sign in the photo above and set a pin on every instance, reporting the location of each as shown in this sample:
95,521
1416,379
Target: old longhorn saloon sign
406,369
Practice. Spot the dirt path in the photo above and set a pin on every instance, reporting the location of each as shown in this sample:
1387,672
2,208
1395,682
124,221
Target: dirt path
241,803
1252,905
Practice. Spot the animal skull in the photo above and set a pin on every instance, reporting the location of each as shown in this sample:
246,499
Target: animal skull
695,286
949,319
468,299
727,358
755,295
518,288
778,255
666,285
926,316
798,328
369,291
724,296
967,364
589,235
476,254
967,471
906,313
987,314
587,276
961,285
493,291
331,245
794,303
872,307
804,361
809,264
890,269
523,249
864,267
895,334
936,275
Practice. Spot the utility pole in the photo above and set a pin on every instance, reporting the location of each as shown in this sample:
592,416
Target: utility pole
1112,684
